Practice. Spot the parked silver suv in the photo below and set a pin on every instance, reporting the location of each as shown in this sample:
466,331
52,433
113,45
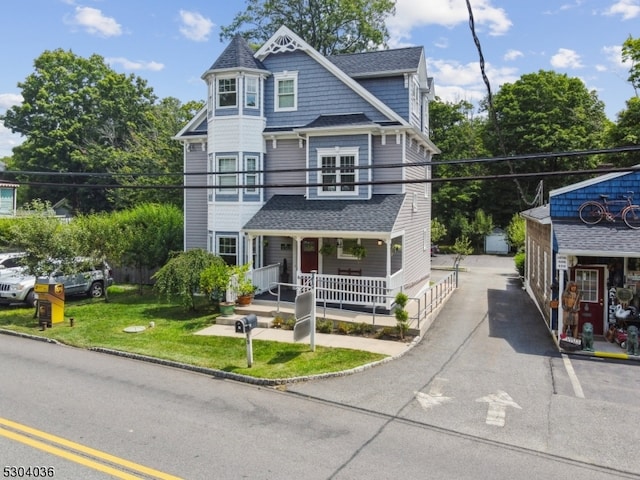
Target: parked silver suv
19,287
10,263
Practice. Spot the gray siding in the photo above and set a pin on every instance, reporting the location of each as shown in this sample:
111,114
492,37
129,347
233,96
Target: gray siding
373,265
319,92
388,154
286,156
391,91
195,201
417,265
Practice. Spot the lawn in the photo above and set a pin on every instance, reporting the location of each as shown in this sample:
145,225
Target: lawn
101,324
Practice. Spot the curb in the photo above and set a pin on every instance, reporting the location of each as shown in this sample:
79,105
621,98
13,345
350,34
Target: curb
220,373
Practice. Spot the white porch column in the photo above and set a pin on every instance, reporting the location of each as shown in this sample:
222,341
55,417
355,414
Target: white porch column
298,259
250,251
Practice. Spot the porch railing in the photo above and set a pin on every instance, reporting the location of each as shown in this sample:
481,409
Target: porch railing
342,289
264,277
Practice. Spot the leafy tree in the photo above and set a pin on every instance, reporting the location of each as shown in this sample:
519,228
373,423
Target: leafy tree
631,53
72,108
541,112
462,247
454,130
153,232
625,132
99,237
45,240
516,231
481,226
438,230
180,276
329,26
153,151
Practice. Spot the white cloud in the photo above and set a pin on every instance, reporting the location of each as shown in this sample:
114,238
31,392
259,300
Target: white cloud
512,55
627,8
614,57
135,65
8,140
455,81
194,26
448,13
95,22
566,58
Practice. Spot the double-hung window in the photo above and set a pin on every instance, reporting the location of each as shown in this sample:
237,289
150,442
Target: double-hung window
251,176
286,91
228,249
227,92
227,176
251,92
338,172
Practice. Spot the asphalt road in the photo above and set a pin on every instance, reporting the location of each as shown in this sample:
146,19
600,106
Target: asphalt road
484,395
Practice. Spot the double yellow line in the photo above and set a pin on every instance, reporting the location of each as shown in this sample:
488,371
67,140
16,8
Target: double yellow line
29,436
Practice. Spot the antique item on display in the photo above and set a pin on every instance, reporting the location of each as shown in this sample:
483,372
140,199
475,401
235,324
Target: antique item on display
632,340
587,337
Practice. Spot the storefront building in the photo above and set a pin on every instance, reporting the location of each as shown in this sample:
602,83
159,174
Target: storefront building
588,233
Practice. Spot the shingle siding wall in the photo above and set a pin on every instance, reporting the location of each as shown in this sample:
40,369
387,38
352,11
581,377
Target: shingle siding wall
391,91
195,201
388,154
319,92
286,156
415,223
566,204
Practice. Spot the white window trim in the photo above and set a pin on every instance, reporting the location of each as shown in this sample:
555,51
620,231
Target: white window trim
246,91
339,152
276,81
211,180
218,80
342,254
220,254
220,175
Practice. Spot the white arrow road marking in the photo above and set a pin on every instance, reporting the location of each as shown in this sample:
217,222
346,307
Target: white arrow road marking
498,403
434,397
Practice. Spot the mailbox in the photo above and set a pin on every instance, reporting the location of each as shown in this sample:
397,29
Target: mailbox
247,323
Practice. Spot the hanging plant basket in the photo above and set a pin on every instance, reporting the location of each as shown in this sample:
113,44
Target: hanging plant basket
358,251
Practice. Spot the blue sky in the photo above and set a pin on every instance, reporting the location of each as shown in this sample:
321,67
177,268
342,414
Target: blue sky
171,43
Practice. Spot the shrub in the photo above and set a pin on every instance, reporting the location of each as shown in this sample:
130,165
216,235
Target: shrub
519,259
325,326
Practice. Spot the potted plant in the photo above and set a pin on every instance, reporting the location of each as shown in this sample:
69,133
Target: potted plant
328,249
358,251
242,285
214,282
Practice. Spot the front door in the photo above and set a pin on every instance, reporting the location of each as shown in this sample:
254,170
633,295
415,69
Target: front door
309,255
591,284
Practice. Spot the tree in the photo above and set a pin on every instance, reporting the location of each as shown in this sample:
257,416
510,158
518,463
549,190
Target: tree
458,134
73,108
153,232
438,230
631,53
626,131
153,151
48,243
541,112
516,232
180,276
481,226
329,26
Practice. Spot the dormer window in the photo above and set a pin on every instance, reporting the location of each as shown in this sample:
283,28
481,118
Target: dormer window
286,91
227,92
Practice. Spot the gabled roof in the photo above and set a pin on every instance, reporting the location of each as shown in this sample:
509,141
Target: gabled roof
382,62
237,56
192,127
538,214
294,213
352,119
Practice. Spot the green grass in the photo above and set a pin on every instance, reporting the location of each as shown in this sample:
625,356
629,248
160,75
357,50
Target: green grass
101,324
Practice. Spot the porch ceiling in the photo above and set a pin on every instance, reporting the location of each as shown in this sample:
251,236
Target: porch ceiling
286,214
603,239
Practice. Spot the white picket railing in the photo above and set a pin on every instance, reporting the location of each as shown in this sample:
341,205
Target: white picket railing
349,290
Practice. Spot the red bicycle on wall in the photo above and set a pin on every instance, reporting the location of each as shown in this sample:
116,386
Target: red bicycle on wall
592,211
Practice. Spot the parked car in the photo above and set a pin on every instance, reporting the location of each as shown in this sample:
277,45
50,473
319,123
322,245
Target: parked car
10,263
18,287
434,249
